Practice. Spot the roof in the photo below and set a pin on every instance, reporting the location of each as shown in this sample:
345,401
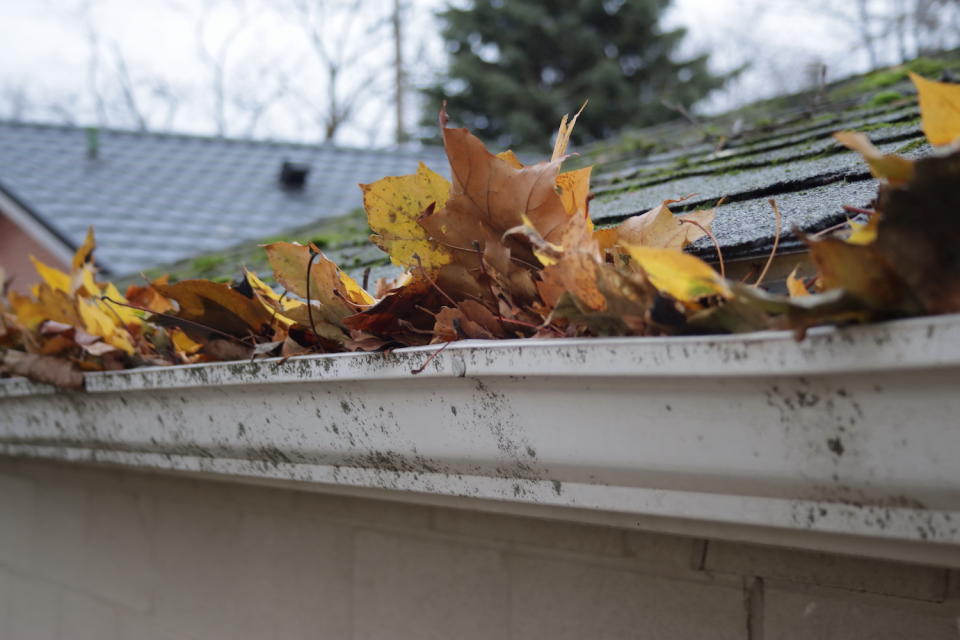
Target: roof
156,198
781,148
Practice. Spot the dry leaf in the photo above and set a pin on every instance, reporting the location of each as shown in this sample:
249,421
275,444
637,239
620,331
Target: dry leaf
394,206
886,166
679,274
939,109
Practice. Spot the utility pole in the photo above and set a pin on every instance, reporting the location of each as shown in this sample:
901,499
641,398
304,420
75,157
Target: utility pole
399,76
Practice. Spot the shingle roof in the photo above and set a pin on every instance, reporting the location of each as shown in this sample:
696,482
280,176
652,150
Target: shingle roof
795,161
156,198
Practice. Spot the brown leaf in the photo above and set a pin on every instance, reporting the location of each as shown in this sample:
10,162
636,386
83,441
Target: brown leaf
212,309
658,228
919,232
59,372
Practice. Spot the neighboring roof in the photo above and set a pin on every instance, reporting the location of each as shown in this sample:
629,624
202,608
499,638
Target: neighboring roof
155,198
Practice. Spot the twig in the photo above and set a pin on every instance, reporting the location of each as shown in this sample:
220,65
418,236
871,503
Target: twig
840,225
433,355
430,280
177,318
313,327
723,270
868,212
776,242
366,278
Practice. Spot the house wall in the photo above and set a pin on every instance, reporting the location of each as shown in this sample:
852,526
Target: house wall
16,247
88,552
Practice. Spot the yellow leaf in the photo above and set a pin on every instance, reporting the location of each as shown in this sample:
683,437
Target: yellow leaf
887,166
82,282
182,342
939,109
126,314
216,305
29,312
563,135
394,206
338,294
99,321
57,279
573,188
863,233
510,158
680,274
84,253
795,286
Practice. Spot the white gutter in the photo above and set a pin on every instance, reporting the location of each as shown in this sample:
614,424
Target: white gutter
847,442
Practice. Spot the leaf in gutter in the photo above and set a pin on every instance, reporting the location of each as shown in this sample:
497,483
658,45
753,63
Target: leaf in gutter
939,109
204,304
338,294
59,372
679,274
658,227
862,271
795,286
919,232
51,276
85,253
148,297
862,233
887,166
394,206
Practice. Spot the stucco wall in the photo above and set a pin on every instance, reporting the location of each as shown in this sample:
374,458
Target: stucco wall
103,554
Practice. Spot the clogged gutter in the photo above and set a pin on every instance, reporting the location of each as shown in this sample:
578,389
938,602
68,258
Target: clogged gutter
509,251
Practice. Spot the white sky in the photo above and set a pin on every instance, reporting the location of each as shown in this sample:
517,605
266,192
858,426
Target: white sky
47,57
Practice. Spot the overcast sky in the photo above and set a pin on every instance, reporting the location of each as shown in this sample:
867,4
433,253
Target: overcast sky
48,53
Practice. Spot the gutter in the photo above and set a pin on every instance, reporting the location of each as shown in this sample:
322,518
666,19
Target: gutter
847,442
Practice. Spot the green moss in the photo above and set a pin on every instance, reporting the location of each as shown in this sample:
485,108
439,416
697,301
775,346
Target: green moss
926,66
885,97
208,263
881,79
912,145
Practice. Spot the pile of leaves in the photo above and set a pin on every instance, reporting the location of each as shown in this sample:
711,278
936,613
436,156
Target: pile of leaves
507,250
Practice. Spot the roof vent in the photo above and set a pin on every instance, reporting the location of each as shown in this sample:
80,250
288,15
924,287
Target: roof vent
293,175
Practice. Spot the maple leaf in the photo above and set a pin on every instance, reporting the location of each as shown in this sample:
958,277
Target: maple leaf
394,206
658,227
211,311
890,167
939,109
331,294
683,276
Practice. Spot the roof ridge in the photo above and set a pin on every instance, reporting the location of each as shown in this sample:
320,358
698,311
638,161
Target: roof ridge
175,135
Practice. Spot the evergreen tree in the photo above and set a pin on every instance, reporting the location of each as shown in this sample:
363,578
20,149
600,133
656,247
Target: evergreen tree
516,66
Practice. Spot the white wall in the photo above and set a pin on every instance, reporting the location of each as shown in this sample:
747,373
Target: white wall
104,554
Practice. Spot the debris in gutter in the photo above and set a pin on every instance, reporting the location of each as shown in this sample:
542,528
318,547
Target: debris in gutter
508,250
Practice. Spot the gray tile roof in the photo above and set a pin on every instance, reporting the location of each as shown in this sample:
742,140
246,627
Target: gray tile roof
155,198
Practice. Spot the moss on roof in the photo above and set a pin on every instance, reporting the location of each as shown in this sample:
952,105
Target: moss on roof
783,140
